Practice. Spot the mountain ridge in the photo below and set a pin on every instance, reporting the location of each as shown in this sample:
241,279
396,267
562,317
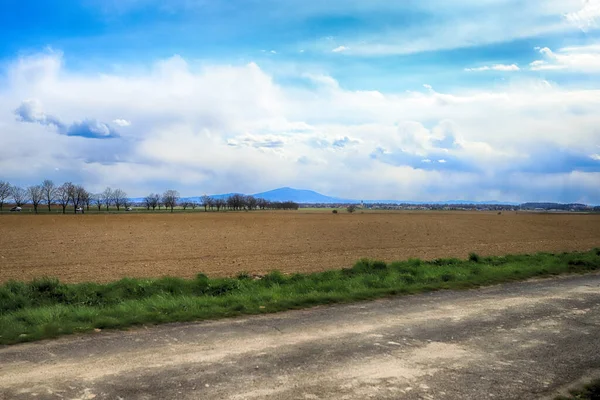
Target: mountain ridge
306,196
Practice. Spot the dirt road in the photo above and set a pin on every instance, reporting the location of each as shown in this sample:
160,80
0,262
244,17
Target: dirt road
108,247
516,341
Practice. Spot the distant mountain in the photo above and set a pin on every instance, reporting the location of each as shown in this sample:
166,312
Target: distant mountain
299,196
312,197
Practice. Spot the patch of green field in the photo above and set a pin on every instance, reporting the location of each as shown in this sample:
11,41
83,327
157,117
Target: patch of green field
47,308
590,391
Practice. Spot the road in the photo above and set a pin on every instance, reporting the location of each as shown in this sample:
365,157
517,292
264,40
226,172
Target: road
526,340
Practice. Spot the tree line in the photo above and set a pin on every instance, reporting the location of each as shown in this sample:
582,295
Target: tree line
67,195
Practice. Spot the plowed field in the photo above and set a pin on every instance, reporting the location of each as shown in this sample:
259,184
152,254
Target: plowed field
102,248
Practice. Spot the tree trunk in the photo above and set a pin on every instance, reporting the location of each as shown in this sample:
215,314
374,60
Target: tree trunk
64,209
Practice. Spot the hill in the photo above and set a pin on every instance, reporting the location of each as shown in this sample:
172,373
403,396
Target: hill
299,196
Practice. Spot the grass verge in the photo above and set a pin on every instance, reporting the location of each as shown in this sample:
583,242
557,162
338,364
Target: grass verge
46,308
591,391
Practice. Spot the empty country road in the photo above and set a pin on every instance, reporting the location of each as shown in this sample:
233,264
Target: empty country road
525,340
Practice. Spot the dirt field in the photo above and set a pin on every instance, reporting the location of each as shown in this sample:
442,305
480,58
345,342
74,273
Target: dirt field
101,248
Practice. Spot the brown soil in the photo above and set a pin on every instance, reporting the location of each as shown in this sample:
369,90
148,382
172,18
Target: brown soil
102,248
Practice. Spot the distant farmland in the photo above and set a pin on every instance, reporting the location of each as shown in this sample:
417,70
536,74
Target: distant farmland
103,248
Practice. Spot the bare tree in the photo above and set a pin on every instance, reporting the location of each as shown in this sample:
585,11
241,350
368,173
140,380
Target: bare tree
170,198
49,193
193,204
250,202
107,197
148,200
4,192
262,203
78,194
220,203
36,195
236,201
155,201
87,199
98,200
119,198
63,195
19,195
206,202
185,205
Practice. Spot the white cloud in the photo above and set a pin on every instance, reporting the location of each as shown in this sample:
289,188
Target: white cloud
586,17
223,128
595,157
578,58
463,24
339,49
322,80
121,122
496,67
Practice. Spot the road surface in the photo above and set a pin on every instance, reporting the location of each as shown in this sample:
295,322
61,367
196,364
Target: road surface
525,340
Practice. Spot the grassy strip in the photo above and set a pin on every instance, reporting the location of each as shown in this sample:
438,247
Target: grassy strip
46,308
590,391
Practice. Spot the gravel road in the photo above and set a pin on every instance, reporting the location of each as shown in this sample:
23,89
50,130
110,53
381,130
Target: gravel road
527,340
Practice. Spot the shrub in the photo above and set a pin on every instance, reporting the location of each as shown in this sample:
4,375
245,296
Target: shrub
244,276
335,211
220,287
200,284
474,257
351,208
274,278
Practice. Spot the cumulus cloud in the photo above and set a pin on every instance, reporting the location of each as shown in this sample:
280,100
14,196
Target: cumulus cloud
91,128
496,67
223,128
31,111
577,58
586,17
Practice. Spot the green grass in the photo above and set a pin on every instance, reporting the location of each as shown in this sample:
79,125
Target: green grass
590,391
47,308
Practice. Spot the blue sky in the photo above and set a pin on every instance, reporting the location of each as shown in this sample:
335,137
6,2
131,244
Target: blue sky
415,100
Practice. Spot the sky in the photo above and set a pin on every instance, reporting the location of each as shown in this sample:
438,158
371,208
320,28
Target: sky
423,100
